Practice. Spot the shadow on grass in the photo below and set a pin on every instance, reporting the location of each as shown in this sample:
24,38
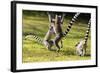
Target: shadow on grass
87,55
71,52
68,52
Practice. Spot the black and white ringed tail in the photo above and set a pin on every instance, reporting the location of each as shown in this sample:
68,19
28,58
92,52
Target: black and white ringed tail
71,23
87,32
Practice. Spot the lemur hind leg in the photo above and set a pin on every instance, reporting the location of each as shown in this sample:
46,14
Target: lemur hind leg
61,44
56,41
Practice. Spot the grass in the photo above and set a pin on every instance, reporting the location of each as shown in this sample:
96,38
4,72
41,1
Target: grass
34,52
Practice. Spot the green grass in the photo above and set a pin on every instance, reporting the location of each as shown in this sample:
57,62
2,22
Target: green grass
35,52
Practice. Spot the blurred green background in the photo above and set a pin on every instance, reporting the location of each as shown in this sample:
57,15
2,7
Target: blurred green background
37,22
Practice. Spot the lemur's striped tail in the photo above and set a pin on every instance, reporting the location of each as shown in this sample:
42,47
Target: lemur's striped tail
87,32
35,38
71,23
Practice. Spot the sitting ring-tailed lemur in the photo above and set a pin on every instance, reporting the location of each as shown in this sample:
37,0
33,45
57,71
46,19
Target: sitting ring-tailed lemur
56,21
82,45
80,48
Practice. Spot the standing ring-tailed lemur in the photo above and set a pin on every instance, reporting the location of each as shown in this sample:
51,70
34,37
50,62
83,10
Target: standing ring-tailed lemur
82,45
60,35
56,21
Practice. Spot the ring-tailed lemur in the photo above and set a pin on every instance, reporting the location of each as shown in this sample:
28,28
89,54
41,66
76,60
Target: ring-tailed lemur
82,45
60,35
59,32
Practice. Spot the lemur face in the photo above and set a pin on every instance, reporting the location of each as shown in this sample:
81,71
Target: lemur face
80,48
